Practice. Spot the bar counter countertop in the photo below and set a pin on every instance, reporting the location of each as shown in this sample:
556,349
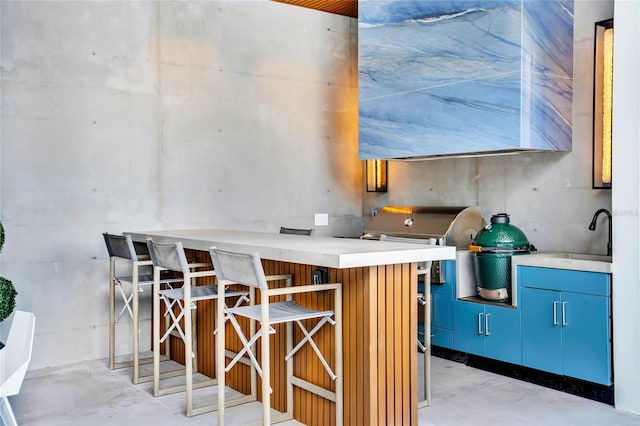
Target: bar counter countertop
320,251
380,314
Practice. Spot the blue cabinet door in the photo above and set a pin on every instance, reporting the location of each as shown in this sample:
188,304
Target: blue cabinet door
468,327
441,310
541,329
442,307
586,346
503,335
442,337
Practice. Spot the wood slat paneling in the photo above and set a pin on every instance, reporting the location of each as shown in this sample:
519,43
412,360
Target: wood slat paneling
341,7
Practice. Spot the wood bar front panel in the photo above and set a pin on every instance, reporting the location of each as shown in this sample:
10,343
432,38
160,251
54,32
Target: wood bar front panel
379,346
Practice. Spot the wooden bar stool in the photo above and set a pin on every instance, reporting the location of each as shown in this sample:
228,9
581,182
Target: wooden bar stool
245,269
121,248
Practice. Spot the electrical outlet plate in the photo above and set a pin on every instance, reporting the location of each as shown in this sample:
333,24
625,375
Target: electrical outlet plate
322,219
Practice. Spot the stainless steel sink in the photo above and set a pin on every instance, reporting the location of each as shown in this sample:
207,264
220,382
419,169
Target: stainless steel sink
580,256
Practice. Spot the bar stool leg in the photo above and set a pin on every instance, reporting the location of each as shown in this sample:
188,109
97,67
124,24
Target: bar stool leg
156,332
188,344
220,356
264,360
136,325
338,355
252,332
112,313
426,301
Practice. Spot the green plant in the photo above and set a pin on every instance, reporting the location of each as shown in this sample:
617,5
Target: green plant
7,298
7,290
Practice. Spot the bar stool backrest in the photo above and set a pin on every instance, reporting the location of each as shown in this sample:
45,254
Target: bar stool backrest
239,268
168,256
121,246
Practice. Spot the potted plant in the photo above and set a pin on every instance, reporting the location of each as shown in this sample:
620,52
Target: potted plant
7,291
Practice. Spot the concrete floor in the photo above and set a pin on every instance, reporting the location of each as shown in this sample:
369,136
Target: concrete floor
90,394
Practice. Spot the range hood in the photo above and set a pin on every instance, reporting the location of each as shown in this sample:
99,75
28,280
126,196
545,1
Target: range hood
441,78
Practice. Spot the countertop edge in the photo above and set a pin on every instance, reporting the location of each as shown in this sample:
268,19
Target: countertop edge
330,252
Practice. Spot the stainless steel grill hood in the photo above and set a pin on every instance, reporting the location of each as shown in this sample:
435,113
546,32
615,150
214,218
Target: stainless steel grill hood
452,226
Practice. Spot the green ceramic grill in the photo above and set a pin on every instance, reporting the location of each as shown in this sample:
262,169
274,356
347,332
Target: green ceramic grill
492,250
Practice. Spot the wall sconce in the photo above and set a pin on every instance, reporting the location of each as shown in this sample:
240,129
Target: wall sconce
376,175
602,104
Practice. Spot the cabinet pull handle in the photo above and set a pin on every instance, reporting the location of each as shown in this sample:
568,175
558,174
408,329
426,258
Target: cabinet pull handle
486,324
480,323
555,313
564,317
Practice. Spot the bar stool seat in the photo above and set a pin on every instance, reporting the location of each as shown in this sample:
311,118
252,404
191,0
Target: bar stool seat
245,269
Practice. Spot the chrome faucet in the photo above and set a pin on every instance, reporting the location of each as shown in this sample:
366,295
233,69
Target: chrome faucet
592,226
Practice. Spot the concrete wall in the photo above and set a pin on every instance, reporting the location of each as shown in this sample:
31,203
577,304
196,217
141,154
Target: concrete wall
146,115
548,195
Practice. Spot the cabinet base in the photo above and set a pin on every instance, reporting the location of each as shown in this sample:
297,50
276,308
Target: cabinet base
593,391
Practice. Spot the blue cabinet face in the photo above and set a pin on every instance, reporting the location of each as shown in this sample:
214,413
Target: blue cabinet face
586,350
565,332
442,310
442,337
487,330
502,327
468,326
541,333
442,307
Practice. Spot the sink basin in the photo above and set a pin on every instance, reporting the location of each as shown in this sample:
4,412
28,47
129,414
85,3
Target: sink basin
580,256
566,260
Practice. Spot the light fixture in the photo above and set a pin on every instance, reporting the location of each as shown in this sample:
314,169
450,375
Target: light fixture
376,175
602,103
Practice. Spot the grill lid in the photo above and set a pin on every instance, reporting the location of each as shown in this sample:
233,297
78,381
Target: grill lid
457,226
500,236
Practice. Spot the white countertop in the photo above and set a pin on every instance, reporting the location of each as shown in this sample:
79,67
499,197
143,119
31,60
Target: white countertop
564,260
317,251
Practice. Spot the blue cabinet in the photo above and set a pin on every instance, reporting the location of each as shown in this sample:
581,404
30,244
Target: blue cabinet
566,324
442,297
487,330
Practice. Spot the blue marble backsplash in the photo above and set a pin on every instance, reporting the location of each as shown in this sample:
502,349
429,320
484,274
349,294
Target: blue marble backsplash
453,77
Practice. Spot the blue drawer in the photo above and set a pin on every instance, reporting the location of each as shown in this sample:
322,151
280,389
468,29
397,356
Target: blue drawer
564,280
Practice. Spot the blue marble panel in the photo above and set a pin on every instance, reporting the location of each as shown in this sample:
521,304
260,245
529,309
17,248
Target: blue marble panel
547,36
546,112
441,77
479,115
414,54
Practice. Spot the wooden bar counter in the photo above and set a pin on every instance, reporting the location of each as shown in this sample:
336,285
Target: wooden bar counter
379,312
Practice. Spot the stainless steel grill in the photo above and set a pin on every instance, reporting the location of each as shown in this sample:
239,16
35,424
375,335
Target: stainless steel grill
451,226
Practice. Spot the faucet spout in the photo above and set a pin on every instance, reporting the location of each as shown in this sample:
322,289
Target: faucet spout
592,227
